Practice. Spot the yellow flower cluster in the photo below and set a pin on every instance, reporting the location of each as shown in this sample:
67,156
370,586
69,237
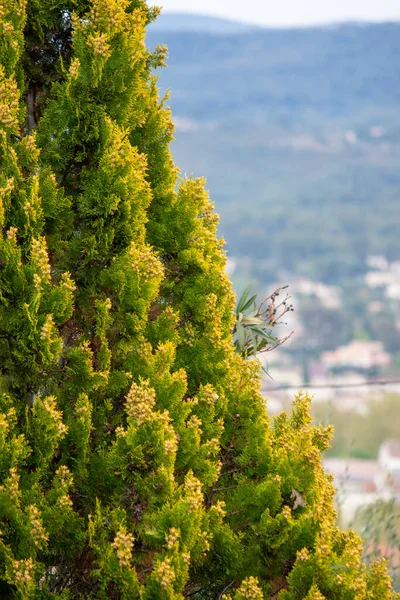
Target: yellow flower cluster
99,45
172,537
165,573
171,441
219,508
313,455
166,474
106,14
250,590
12,485
9,100
213,446
211,301
208,394
23,570
287,512
315,594
8,27
68,283
193,492
323,509
13,481
47,331
117,155
12,234
3,428
140,402
38,532
303,554
40,258
50,406
355,543
203,541
120,432
65,481
82,410
323,548
226,289
64,477
37,281
145,263
64,502
209,216
323,436
170,446
195,423
33,208
29,142
189,334
9,8
74,68
29,154
5,192
123,545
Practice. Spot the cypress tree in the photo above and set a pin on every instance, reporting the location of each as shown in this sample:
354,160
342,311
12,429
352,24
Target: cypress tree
137,460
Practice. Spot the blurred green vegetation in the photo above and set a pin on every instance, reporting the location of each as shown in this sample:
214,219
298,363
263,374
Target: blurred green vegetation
379,525
360,435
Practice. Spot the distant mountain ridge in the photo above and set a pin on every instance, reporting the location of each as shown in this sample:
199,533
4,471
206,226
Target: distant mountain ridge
186,22
298,134
181,22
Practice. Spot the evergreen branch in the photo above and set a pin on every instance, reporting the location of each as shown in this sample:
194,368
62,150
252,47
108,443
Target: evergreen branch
226,588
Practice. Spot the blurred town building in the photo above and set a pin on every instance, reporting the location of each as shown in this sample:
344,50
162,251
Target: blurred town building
360,482
357,354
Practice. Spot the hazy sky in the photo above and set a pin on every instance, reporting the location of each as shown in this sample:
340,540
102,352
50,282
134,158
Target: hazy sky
290,12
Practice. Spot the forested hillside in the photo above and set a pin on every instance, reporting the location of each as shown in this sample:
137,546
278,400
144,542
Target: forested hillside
297,132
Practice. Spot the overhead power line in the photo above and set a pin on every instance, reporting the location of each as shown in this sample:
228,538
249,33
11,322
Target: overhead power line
370,383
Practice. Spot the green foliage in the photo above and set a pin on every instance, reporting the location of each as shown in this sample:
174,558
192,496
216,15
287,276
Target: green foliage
137,459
